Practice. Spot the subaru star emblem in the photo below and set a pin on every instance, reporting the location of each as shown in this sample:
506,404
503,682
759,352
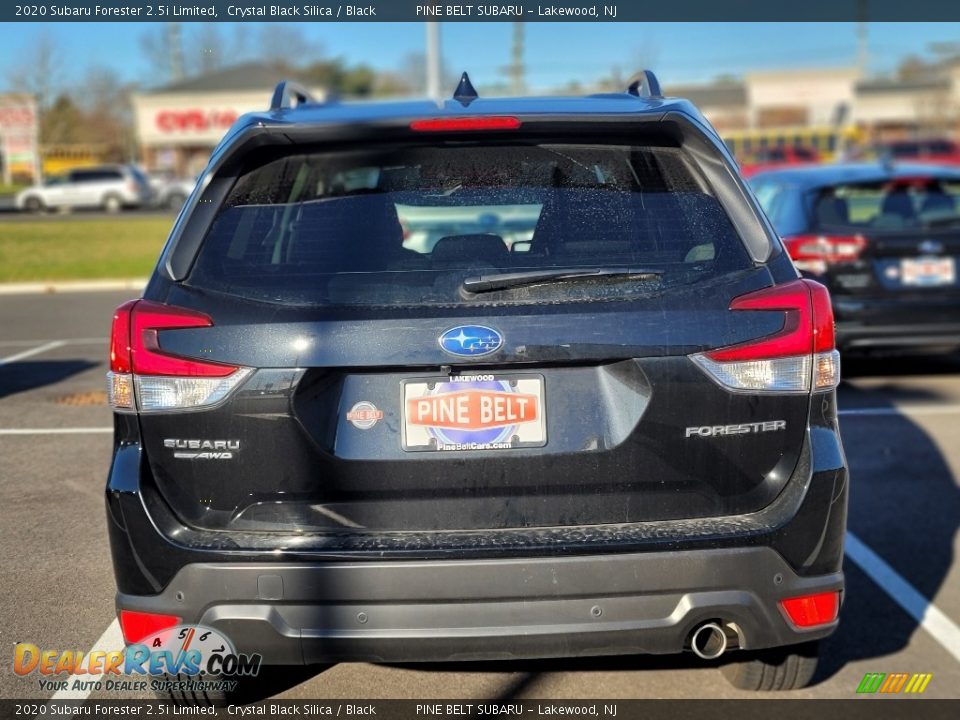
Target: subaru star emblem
471,340
931,247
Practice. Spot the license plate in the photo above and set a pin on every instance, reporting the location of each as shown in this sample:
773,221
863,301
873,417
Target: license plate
928,271
474,412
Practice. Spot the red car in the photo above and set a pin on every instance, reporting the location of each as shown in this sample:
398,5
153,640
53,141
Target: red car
945,152
777,158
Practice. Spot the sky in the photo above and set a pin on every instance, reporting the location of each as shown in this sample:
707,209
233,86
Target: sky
556,53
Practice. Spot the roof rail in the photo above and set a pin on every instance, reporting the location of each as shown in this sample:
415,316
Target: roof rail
644,84
287,92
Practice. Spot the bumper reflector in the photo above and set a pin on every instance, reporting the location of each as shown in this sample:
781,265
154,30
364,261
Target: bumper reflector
120,390
812,610
138,625
826,370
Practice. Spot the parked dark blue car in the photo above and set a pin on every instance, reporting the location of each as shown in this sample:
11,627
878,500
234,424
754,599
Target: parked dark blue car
885,239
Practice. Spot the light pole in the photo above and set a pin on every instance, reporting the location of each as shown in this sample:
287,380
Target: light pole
433,60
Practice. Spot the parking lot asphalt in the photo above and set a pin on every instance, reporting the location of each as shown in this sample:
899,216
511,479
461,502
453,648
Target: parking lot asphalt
901,427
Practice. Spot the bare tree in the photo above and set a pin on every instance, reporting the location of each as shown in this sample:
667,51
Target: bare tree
287,45
62,123
413,72
206,49
646,55
40,70
241,45
155,45
108,112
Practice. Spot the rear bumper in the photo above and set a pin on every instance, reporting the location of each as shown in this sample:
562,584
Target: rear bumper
490,609
535,592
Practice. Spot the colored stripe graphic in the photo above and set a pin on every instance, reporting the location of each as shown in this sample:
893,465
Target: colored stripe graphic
922,680
871,682
893,683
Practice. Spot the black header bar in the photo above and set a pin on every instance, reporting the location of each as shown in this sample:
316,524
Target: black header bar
504,709
642,11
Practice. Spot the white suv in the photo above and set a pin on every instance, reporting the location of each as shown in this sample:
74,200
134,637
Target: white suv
110,187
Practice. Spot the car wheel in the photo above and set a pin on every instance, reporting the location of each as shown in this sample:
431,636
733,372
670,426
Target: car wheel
33,205
112,204
175,201
784,668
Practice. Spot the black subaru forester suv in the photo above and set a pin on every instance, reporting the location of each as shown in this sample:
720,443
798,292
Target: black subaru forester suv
481,379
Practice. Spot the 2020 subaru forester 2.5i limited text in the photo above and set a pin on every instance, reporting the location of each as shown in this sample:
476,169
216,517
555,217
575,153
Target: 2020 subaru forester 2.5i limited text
595,415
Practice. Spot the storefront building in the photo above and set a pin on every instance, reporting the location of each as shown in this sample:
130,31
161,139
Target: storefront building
180,124
19,152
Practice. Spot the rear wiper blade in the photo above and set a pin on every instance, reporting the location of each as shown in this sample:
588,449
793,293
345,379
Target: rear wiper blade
504,281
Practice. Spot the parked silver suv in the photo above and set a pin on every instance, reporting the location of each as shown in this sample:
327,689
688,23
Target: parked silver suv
169,190
110,187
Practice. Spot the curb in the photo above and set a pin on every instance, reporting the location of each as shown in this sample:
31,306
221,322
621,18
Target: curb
69,286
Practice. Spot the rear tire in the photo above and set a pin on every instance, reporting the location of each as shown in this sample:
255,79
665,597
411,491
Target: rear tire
175,201
33,205
112,204
784,668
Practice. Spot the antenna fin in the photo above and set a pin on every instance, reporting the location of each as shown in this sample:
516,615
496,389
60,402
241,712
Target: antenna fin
465,92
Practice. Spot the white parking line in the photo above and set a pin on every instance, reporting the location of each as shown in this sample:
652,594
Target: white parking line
928,615
112,639
34,351
69,341
904,410
55,431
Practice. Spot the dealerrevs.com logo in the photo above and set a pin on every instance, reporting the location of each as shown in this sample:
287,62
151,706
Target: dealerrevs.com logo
202,655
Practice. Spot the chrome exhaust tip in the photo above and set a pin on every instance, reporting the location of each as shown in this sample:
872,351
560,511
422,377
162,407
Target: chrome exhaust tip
709,641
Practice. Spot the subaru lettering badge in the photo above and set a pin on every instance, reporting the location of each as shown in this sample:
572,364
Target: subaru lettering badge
471,341
931,247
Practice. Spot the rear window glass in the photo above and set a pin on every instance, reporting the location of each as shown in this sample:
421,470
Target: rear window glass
407,226
96,175
889,205
770,196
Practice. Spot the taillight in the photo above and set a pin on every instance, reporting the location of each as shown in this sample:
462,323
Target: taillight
149,359
465,124
144,376
811,610
815,253
139,625
120,360
798,357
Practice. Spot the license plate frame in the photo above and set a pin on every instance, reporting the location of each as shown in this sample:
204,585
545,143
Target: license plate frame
928,271
473,412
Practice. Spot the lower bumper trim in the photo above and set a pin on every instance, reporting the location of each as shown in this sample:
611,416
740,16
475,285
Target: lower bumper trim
494,609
